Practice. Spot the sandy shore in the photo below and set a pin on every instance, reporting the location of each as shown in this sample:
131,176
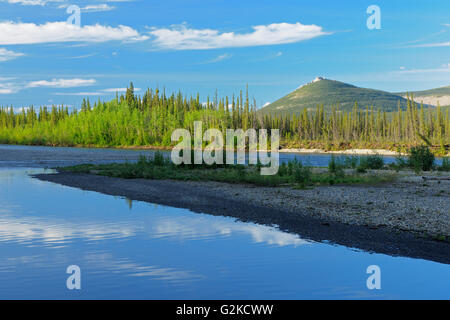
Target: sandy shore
380,152
404,218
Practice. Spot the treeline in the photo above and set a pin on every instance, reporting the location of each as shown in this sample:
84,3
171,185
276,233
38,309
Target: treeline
149,120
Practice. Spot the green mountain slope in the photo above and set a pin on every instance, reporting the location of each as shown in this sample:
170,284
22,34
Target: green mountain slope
331,92
432,96
442,91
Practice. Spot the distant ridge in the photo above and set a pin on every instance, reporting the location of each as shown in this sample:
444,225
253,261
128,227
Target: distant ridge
331,92
433,96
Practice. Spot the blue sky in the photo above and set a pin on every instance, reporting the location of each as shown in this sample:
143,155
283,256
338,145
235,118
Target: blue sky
201,46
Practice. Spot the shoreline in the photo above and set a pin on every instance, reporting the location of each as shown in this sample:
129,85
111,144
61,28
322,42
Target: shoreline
361,152
381,152
357,152
313,214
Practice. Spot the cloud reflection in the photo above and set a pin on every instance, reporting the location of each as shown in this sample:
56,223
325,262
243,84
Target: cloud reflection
52,231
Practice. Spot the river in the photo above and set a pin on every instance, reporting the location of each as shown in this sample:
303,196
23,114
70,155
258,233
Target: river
135,250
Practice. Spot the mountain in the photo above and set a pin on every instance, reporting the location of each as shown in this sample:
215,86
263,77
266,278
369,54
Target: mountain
433,96
330,92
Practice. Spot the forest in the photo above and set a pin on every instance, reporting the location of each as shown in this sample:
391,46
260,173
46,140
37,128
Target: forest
131,120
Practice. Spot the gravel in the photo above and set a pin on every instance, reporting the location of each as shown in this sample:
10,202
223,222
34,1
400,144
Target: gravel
409,204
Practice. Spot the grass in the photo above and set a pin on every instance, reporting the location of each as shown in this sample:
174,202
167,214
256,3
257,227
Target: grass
292,173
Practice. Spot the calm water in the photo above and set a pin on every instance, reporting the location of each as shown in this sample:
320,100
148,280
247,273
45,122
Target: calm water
35,156
136,250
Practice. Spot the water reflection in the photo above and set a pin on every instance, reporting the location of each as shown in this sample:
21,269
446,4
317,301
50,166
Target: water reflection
58,229
108,263
47,220
52,231
134,250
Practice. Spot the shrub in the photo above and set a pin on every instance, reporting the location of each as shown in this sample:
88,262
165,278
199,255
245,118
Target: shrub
295,171
142,160
291,167
283,169
158,158
351,162
420,158
335,168
445,164
302,174
375,162
361,169
400,162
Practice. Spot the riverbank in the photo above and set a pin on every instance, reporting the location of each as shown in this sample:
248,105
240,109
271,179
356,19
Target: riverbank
361,152
292,150
381,152
410,217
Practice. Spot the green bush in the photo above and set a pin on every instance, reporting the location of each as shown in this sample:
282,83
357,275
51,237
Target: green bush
335,167
351,162
158,159
400,162
295,171
375,162
283,169
445,164
361,169
420,158
302,174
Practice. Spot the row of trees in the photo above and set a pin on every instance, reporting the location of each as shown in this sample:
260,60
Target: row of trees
131,120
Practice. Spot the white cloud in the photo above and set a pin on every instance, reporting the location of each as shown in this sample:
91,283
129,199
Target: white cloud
82,56
6,55
266,104
101,92
97,8
12,33
444,69
8,88
222,57
11,85
432,45
62,83
119,89
45,2
115,90
79,94
31,2
219,58
182,38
